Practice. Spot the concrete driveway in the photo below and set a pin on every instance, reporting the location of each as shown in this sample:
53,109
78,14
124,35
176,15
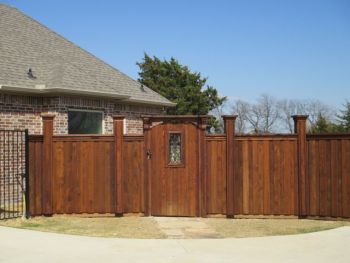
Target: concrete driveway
17,245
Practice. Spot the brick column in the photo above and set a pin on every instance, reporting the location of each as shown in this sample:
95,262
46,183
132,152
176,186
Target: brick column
229,121
47,204
300,130
118,146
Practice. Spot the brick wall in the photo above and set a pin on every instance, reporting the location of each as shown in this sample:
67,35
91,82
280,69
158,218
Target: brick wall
20,112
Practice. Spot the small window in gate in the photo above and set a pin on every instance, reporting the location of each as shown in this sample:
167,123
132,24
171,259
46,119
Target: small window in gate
175,148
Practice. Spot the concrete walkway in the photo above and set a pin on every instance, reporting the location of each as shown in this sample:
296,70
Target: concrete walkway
185,227
17,245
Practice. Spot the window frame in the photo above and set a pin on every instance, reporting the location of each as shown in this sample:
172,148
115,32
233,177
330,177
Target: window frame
87,110
182,149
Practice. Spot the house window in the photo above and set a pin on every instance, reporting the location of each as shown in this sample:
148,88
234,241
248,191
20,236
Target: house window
85,122
175,149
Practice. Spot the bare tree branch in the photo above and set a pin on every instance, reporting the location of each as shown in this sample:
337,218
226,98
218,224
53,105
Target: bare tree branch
268,115
241,109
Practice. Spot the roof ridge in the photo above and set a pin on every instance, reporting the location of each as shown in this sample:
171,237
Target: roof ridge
104,76
7,5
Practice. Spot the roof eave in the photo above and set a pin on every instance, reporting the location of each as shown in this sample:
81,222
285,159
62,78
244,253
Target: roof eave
158,103
66,91
62,91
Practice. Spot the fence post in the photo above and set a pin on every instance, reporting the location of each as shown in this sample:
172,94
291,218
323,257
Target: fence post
118,148
202,168
300,130
229,121
147,165
47,204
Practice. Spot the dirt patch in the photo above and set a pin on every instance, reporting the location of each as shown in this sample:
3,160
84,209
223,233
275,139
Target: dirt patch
270,227
179,227
124,227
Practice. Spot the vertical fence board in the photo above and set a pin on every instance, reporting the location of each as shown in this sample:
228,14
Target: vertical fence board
329,173
265,175
258,197
333,177
216,175
133,176
83,174
238,178
35,175
245,175
312,176
346,177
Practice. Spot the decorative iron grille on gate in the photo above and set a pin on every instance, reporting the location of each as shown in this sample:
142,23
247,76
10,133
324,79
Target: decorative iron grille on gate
13,173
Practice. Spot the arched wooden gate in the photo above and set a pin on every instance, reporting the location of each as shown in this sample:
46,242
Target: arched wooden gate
174,165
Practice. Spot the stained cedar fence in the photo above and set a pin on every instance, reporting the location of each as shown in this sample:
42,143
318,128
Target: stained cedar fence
292,175
84,168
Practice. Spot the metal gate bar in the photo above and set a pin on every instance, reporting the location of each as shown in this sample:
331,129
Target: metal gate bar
13,173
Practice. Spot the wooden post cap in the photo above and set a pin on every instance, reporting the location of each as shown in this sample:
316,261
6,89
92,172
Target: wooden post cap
118,117
299,117
229,117
146,122
48,115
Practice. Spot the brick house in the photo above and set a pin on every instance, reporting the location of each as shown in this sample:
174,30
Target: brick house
40,71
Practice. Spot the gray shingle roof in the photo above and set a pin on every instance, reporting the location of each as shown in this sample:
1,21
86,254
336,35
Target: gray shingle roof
58,64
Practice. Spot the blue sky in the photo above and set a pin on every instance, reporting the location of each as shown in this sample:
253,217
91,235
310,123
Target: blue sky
288,49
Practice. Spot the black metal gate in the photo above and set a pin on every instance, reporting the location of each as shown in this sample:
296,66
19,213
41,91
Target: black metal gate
13,173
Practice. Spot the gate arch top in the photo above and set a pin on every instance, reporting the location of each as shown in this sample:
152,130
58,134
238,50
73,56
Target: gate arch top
200,121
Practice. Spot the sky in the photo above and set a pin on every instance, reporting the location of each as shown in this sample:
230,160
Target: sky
288,49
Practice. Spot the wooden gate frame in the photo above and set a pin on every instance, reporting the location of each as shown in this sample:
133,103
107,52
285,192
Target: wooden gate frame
229,130
201,122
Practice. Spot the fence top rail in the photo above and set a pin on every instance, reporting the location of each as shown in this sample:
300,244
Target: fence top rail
253,137
35,137
175,118
133,137
329,136
74,137
85,137
215,137
267,135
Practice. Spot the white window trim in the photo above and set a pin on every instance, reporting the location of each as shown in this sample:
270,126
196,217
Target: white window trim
85,110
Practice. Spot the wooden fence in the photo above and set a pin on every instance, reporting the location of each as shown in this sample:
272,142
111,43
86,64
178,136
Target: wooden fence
293,175
266,175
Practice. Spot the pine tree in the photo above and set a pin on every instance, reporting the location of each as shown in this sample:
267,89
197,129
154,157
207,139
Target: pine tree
322,125
180,85
344,118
